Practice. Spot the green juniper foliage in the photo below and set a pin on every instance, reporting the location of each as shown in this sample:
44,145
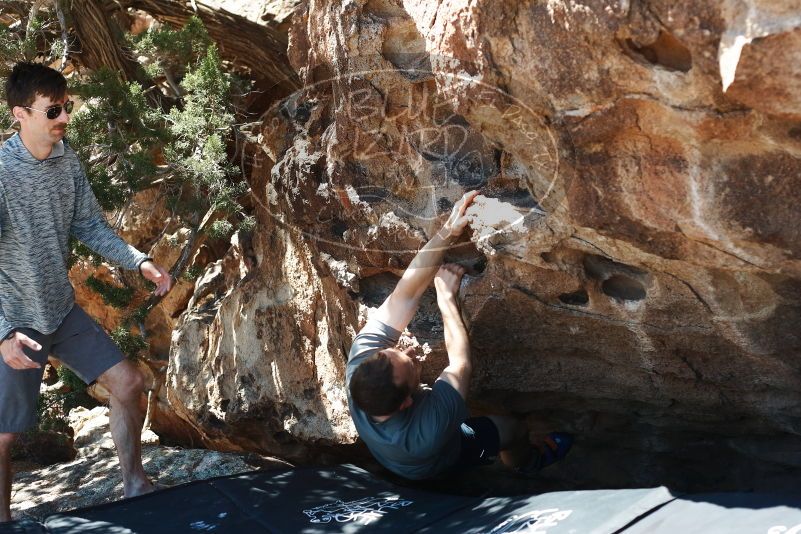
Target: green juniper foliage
169,51
138,315
10,46
50,412
120,133
220,229
75,394
82,251
21,45
130,344
115,135
200,129
248,223
12,49
113,295
54,406
192,273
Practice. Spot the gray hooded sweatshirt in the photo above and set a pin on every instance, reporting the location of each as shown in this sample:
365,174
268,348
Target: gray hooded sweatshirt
42,203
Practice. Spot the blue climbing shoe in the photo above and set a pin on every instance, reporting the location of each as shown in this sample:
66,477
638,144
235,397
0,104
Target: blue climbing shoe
553,449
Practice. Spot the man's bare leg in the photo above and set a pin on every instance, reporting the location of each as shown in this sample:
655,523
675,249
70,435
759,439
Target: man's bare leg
515,448
6,441
126,385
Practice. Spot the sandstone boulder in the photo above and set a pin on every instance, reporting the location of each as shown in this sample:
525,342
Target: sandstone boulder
634,263
634,272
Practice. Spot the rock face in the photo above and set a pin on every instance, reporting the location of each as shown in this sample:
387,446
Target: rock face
635,269
634,264
257,362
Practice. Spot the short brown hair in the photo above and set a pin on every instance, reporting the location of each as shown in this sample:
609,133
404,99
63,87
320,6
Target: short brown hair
30,79
373,388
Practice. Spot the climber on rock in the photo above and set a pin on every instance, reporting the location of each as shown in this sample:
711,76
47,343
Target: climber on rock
45,198
420,432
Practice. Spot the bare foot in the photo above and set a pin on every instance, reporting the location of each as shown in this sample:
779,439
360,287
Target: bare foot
140,487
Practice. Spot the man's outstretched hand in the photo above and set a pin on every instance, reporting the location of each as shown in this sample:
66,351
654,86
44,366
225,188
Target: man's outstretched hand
456,222
158,275
448,279
11,350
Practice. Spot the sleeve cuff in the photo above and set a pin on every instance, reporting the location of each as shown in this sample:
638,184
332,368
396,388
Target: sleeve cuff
141,261
5,332
380,327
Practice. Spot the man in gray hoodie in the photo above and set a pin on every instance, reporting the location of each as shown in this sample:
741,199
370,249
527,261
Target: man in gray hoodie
44,198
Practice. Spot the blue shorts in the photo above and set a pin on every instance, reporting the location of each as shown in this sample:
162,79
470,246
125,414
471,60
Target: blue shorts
79,342
481,443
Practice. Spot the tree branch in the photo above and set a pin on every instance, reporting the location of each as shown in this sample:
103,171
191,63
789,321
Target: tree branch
260,49
30,50
62,21
32,14
100,42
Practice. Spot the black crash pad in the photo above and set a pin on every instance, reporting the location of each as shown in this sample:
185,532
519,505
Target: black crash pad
314,500
725,513
563,512
349,500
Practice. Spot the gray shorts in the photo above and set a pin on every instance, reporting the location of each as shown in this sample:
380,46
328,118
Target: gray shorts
79,342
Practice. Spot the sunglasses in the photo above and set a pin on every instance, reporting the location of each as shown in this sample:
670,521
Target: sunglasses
53,112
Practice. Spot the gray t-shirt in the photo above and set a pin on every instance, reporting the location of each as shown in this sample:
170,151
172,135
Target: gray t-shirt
416,443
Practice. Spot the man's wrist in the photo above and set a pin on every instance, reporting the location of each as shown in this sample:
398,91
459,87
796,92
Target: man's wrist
447,299
445,235
139,267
